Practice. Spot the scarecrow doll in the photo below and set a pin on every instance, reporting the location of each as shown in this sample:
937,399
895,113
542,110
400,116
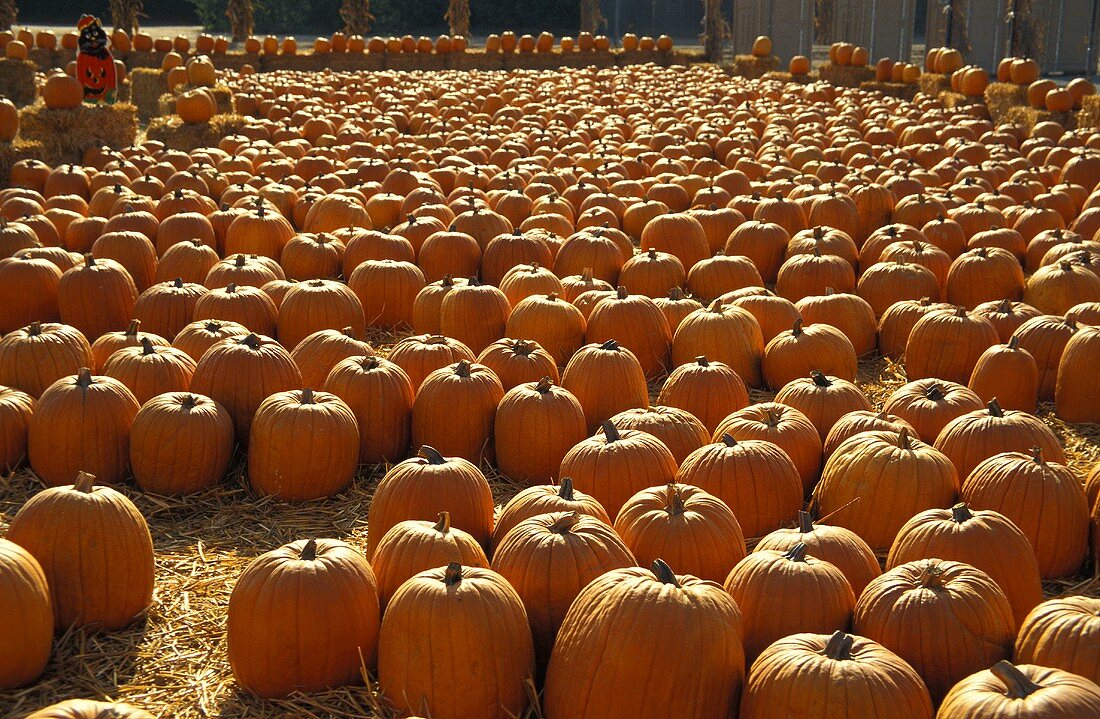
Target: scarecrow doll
95,66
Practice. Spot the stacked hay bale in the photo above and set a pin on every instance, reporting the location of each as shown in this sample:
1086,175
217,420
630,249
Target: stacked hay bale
146,87
847,66
759,63
17,80
62,134
1014,75
179,135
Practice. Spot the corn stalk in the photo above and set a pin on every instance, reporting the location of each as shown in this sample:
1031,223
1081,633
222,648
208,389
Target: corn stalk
957,34
591,18
8,14
458,17
823,21
240,17
1027,30
356,16
715,30
125,14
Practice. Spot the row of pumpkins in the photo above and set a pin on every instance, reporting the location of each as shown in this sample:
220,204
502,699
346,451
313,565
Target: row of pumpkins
497,216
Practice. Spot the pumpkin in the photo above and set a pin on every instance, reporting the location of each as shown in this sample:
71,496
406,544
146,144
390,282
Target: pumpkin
1045,338
984,539
1022,692
762,242
652,273
303,445
678,234
782,593
612,465
87,709
239,373
792,678
796,352
180,443
893,475
840,547
637,638
686,524
449,679
966,335
310,584
415,546
167,307
148,370
1009,374
976,436
420,355
546,499
97,296
1006,316
860,421
554,324
823,399
425,485
752,473
380,395
61,92
548,559
516,362
536,424
474,314
318,305
112,342
190,260
606,379
317,353
1060,633
984,274
28,636
725,334
1076,383
28,292
244,305
637,324
1045,500
197,337
34,357
707,390
95,550
783,426
946,619
929,404
464,384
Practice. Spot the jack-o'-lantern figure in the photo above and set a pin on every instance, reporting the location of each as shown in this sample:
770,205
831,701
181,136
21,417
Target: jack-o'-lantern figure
95,66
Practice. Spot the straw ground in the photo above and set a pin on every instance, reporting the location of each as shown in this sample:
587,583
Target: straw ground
173,662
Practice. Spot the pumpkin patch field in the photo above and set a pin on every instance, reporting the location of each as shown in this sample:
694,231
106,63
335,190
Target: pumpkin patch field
571,393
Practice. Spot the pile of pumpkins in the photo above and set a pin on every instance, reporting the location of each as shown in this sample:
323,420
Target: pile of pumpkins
576,278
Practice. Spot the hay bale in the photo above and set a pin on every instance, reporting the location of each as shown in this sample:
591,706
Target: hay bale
778,76
178,135
933,83
13,152
223,99
964,103
17,81
905,91
408,61
845,75
1089,115
66,134
135,59
235,60
1029,117
532,61
475,60
146,87
1000,97
45,59
636,57
356,61
302,62
754,67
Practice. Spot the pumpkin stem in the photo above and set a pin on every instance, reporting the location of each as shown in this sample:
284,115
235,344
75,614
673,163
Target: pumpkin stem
586,275
903,439
820,379
995,408
147,347
453,575
231,287
177,283
239,261
189,402
89,260
1037,454
610,345
307,396
565,522
544,385
84,482
676,294
620,292
675,504
839,646
935,393
652,253
462,368
610,432
961,513
251,341
797,553
702,361
84,377
431,454
664,573
931,576
728,440
565,489
444,524
521,347
797,330
132,329
35,329
1017,685
805,522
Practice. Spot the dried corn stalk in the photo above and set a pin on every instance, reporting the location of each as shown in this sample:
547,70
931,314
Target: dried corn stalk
458,17
1027,29
715,30
239,13
957,34
125,14
356,16
591,18
8,14
823,21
